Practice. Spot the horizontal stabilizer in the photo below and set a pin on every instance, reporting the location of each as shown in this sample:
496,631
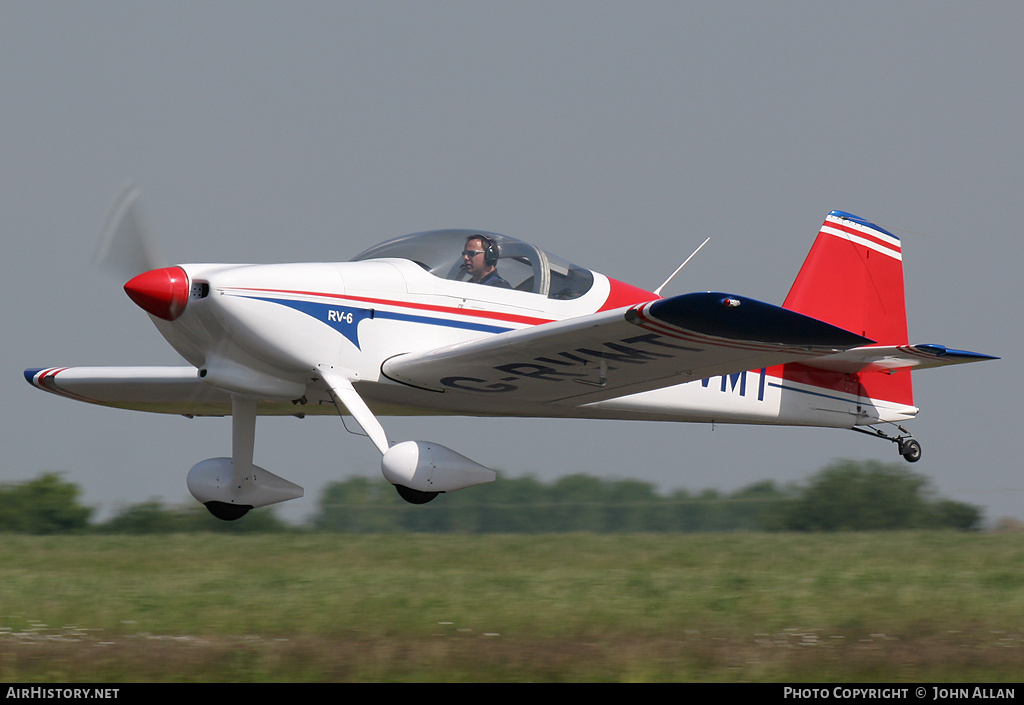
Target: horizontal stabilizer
895,357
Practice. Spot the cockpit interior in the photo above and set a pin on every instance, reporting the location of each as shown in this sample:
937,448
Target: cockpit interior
526,267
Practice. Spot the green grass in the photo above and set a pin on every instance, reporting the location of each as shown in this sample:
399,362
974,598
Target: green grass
930,607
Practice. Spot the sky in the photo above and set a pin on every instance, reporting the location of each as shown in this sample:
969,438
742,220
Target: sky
618,135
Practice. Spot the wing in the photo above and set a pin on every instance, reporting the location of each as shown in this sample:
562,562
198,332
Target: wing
165,390
169,390
625,351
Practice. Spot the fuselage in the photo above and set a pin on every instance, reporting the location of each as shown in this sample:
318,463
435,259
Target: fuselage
270,329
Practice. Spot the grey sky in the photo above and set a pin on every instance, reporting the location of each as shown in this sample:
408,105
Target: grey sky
616,134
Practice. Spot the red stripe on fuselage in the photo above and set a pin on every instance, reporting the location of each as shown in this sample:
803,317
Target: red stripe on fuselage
478,313
620,295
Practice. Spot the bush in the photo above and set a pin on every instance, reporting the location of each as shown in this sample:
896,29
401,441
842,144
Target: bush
46,505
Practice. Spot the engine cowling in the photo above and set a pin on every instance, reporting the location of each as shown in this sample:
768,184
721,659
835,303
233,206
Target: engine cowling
431,467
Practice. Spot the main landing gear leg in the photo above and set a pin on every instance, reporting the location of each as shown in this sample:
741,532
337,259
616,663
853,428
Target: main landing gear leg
907,446
346,398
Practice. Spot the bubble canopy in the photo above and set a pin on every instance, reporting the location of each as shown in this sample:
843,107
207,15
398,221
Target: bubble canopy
526,267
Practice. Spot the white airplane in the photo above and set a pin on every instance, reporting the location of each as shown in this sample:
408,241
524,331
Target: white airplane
466,322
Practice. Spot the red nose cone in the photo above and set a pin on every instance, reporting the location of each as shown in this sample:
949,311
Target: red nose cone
161,292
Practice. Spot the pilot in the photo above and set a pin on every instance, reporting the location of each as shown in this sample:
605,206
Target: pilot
479,259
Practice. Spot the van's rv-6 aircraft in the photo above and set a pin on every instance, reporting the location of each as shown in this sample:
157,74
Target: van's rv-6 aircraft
401,330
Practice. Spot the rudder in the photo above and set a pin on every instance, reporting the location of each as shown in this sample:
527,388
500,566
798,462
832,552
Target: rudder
853,278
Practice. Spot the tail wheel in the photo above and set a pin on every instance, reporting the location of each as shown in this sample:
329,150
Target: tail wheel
907,446
910,450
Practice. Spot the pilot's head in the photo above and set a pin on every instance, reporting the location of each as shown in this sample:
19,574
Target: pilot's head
479,257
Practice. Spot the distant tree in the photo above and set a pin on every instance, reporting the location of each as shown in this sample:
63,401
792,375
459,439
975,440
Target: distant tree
956,515
46,505
867,496
510,505
634,505
153,517
701,512
747,508
845,496
358,505
577,503
146,518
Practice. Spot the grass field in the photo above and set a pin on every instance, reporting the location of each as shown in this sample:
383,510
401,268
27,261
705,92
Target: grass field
884,607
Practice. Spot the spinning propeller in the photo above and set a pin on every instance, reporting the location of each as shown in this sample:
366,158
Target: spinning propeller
127,250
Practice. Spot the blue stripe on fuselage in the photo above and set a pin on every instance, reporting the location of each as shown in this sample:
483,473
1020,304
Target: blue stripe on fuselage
346,319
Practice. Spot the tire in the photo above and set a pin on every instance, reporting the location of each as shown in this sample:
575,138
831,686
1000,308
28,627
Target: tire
910,450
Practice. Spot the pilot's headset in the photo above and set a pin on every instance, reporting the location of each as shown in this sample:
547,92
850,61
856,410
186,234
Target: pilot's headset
490,250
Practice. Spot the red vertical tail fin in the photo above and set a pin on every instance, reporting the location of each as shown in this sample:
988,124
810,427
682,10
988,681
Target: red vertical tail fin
853,278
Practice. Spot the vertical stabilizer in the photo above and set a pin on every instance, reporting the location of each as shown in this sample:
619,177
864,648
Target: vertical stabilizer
853,278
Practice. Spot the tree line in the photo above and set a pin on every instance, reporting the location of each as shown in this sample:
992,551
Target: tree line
845,496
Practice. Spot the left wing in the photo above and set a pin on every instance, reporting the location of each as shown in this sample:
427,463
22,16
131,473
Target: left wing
168,390
608,354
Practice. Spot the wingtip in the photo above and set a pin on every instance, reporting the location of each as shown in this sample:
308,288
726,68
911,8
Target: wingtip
943,351
42,377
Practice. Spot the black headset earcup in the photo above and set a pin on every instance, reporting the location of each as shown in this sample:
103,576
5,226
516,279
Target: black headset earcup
490,252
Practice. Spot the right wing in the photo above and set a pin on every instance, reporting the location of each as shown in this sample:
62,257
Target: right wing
612,353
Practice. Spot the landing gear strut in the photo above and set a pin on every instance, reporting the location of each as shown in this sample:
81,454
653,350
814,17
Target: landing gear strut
909,448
